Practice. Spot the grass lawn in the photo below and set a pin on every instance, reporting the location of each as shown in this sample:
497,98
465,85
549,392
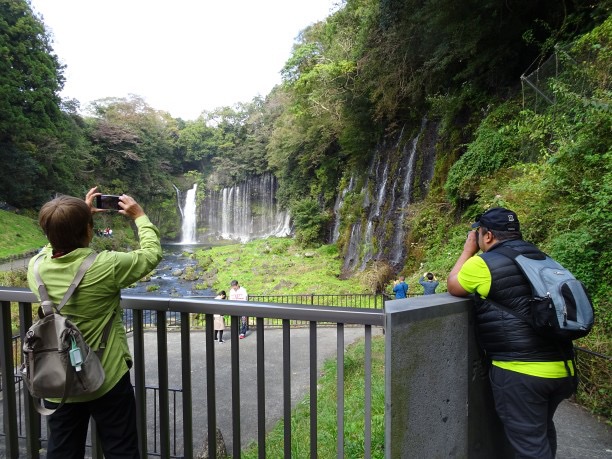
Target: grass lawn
19,236
277,266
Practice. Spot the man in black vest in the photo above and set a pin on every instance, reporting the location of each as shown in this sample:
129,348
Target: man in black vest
530,374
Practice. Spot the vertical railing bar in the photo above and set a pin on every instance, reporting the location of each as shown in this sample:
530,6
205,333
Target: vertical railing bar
96,444
139,380
340,389
155,423
174,426
162,371
210,387
368,393
187,386
33,419
236,443
287,387
261,390
20,412
313,389
9,401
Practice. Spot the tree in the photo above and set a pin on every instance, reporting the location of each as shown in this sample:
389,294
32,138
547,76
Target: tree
30,80
134,147
30,74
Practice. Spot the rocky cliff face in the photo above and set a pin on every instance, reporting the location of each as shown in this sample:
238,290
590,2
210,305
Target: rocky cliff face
399,173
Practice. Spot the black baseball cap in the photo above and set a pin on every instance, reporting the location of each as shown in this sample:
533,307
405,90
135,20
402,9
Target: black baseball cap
498,219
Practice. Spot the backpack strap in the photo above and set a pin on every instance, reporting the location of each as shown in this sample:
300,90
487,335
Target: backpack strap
105,333
45,302
47,305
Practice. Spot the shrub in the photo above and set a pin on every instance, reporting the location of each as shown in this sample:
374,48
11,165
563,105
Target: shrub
308,220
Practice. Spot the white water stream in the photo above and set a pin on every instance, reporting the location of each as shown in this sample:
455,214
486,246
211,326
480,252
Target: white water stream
189,235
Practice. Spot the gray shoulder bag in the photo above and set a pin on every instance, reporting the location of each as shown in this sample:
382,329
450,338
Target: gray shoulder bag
58,363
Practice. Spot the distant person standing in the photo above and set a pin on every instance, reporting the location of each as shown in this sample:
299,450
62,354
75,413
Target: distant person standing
218,319
238,293
430,285
400,288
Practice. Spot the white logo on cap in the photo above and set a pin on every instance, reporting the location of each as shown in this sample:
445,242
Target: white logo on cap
510,218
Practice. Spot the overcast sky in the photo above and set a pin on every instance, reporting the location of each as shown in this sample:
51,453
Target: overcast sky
181,56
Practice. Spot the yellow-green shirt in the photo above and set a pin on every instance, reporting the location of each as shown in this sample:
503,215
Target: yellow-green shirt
98,295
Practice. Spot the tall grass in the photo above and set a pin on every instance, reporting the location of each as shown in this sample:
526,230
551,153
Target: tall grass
354,400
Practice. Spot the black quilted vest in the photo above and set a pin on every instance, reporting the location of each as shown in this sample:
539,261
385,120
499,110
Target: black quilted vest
502,335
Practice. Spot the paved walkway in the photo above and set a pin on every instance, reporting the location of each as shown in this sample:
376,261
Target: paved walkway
15,264
580,435
300,376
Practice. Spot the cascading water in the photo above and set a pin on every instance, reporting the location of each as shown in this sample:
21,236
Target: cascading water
337,206
178,200
391,181
245,211
374,214
189,229
398,249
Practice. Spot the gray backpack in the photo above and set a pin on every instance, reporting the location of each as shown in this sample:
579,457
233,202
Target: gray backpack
58,363
560,308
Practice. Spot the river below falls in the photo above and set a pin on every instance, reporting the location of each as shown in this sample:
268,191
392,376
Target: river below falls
168,278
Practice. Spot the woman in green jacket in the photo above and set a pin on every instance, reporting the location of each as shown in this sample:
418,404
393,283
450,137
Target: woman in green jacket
68,224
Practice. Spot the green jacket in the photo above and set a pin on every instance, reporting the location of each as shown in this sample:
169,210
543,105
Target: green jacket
98,295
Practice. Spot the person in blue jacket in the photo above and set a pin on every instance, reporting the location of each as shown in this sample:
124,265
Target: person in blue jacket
400,288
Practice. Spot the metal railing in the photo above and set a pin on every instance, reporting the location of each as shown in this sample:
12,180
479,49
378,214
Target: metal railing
152,402
357,300
16,443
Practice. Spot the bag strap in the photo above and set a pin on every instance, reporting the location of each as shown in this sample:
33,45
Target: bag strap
105,333
48,304
45,303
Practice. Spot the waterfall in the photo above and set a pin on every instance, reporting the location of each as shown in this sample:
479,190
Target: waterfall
375,211
398,240
400,168
337,206
351,259
189,217
245,211
178,200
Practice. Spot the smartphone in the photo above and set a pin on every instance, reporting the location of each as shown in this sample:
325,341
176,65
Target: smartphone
108,202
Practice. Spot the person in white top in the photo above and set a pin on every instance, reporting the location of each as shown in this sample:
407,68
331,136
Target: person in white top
239,293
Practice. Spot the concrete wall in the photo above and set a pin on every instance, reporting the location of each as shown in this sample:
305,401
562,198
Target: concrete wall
438,398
